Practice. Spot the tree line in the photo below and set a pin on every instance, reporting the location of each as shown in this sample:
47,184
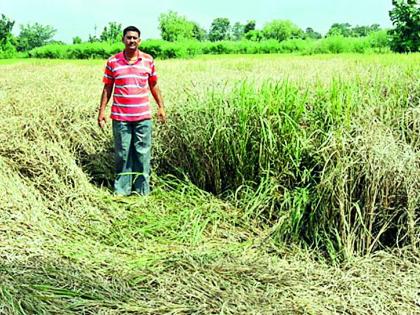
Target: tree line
404,37
174,27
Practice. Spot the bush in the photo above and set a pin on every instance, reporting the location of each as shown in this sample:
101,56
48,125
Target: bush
7,51
294,45
377,42
78,51
153,47
359,45
334,44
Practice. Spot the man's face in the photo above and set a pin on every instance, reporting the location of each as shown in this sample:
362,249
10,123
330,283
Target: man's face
131,40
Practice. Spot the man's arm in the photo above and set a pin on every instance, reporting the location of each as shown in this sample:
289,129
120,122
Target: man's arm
106,95
157,95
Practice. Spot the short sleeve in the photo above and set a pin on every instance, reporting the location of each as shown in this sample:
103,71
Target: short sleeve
153,74
108,74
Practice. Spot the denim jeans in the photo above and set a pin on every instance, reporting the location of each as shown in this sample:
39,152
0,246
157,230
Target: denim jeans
133,143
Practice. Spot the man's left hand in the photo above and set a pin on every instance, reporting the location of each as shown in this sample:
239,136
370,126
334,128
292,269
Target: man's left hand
161,115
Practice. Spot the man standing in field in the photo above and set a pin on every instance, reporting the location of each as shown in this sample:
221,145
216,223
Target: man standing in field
131,73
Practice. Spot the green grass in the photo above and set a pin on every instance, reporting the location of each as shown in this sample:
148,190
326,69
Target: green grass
332,159
311,169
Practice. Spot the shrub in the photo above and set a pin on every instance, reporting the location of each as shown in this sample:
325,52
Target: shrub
377,41
7,51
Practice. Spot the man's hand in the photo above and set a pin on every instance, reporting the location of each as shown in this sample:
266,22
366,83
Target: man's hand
154,88
101,120
106,94
161,115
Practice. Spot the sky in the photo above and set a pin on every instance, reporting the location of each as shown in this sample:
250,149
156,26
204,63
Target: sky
83,17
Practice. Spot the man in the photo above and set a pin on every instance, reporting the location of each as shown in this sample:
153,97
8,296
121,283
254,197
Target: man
131,73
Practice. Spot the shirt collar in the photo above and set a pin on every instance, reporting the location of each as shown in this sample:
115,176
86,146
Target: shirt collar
138,55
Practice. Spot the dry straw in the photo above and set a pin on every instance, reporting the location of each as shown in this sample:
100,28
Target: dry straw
312,177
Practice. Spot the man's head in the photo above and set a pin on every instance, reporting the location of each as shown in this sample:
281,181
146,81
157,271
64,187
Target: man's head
131,37
131,29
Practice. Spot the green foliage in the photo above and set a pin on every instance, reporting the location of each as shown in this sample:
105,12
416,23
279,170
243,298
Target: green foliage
310,33
238,31
6,26
7,49
219,29
93,39
166,50
405,17
112,33
34,35
174,27
281,30
340,29
249,26
100,50
77,40
379,41
199,33
333,44
327,162
340,44
375,42
254,35
361,31
346,30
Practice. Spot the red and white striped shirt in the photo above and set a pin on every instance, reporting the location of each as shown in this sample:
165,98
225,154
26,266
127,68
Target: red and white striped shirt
131,86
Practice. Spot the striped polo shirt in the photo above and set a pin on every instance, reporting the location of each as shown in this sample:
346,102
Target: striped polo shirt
131,86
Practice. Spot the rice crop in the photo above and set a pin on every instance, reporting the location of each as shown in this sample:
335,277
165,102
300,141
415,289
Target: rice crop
282,185
336,160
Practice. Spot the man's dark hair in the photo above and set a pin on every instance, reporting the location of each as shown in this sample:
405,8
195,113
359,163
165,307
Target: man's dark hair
131,29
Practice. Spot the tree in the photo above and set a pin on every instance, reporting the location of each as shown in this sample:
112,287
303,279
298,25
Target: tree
56,42
254,35
249,26
6,26
281,30
199,33
379,40
77,40
375,28
174,27
113,33
238,31
92,38
310,33
6,37
340,29
219,29
360,31
405,16
34,35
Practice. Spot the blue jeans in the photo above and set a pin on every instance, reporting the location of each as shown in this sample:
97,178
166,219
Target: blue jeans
133,143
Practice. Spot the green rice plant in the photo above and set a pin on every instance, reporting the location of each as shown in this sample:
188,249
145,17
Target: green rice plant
309,152
242,115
